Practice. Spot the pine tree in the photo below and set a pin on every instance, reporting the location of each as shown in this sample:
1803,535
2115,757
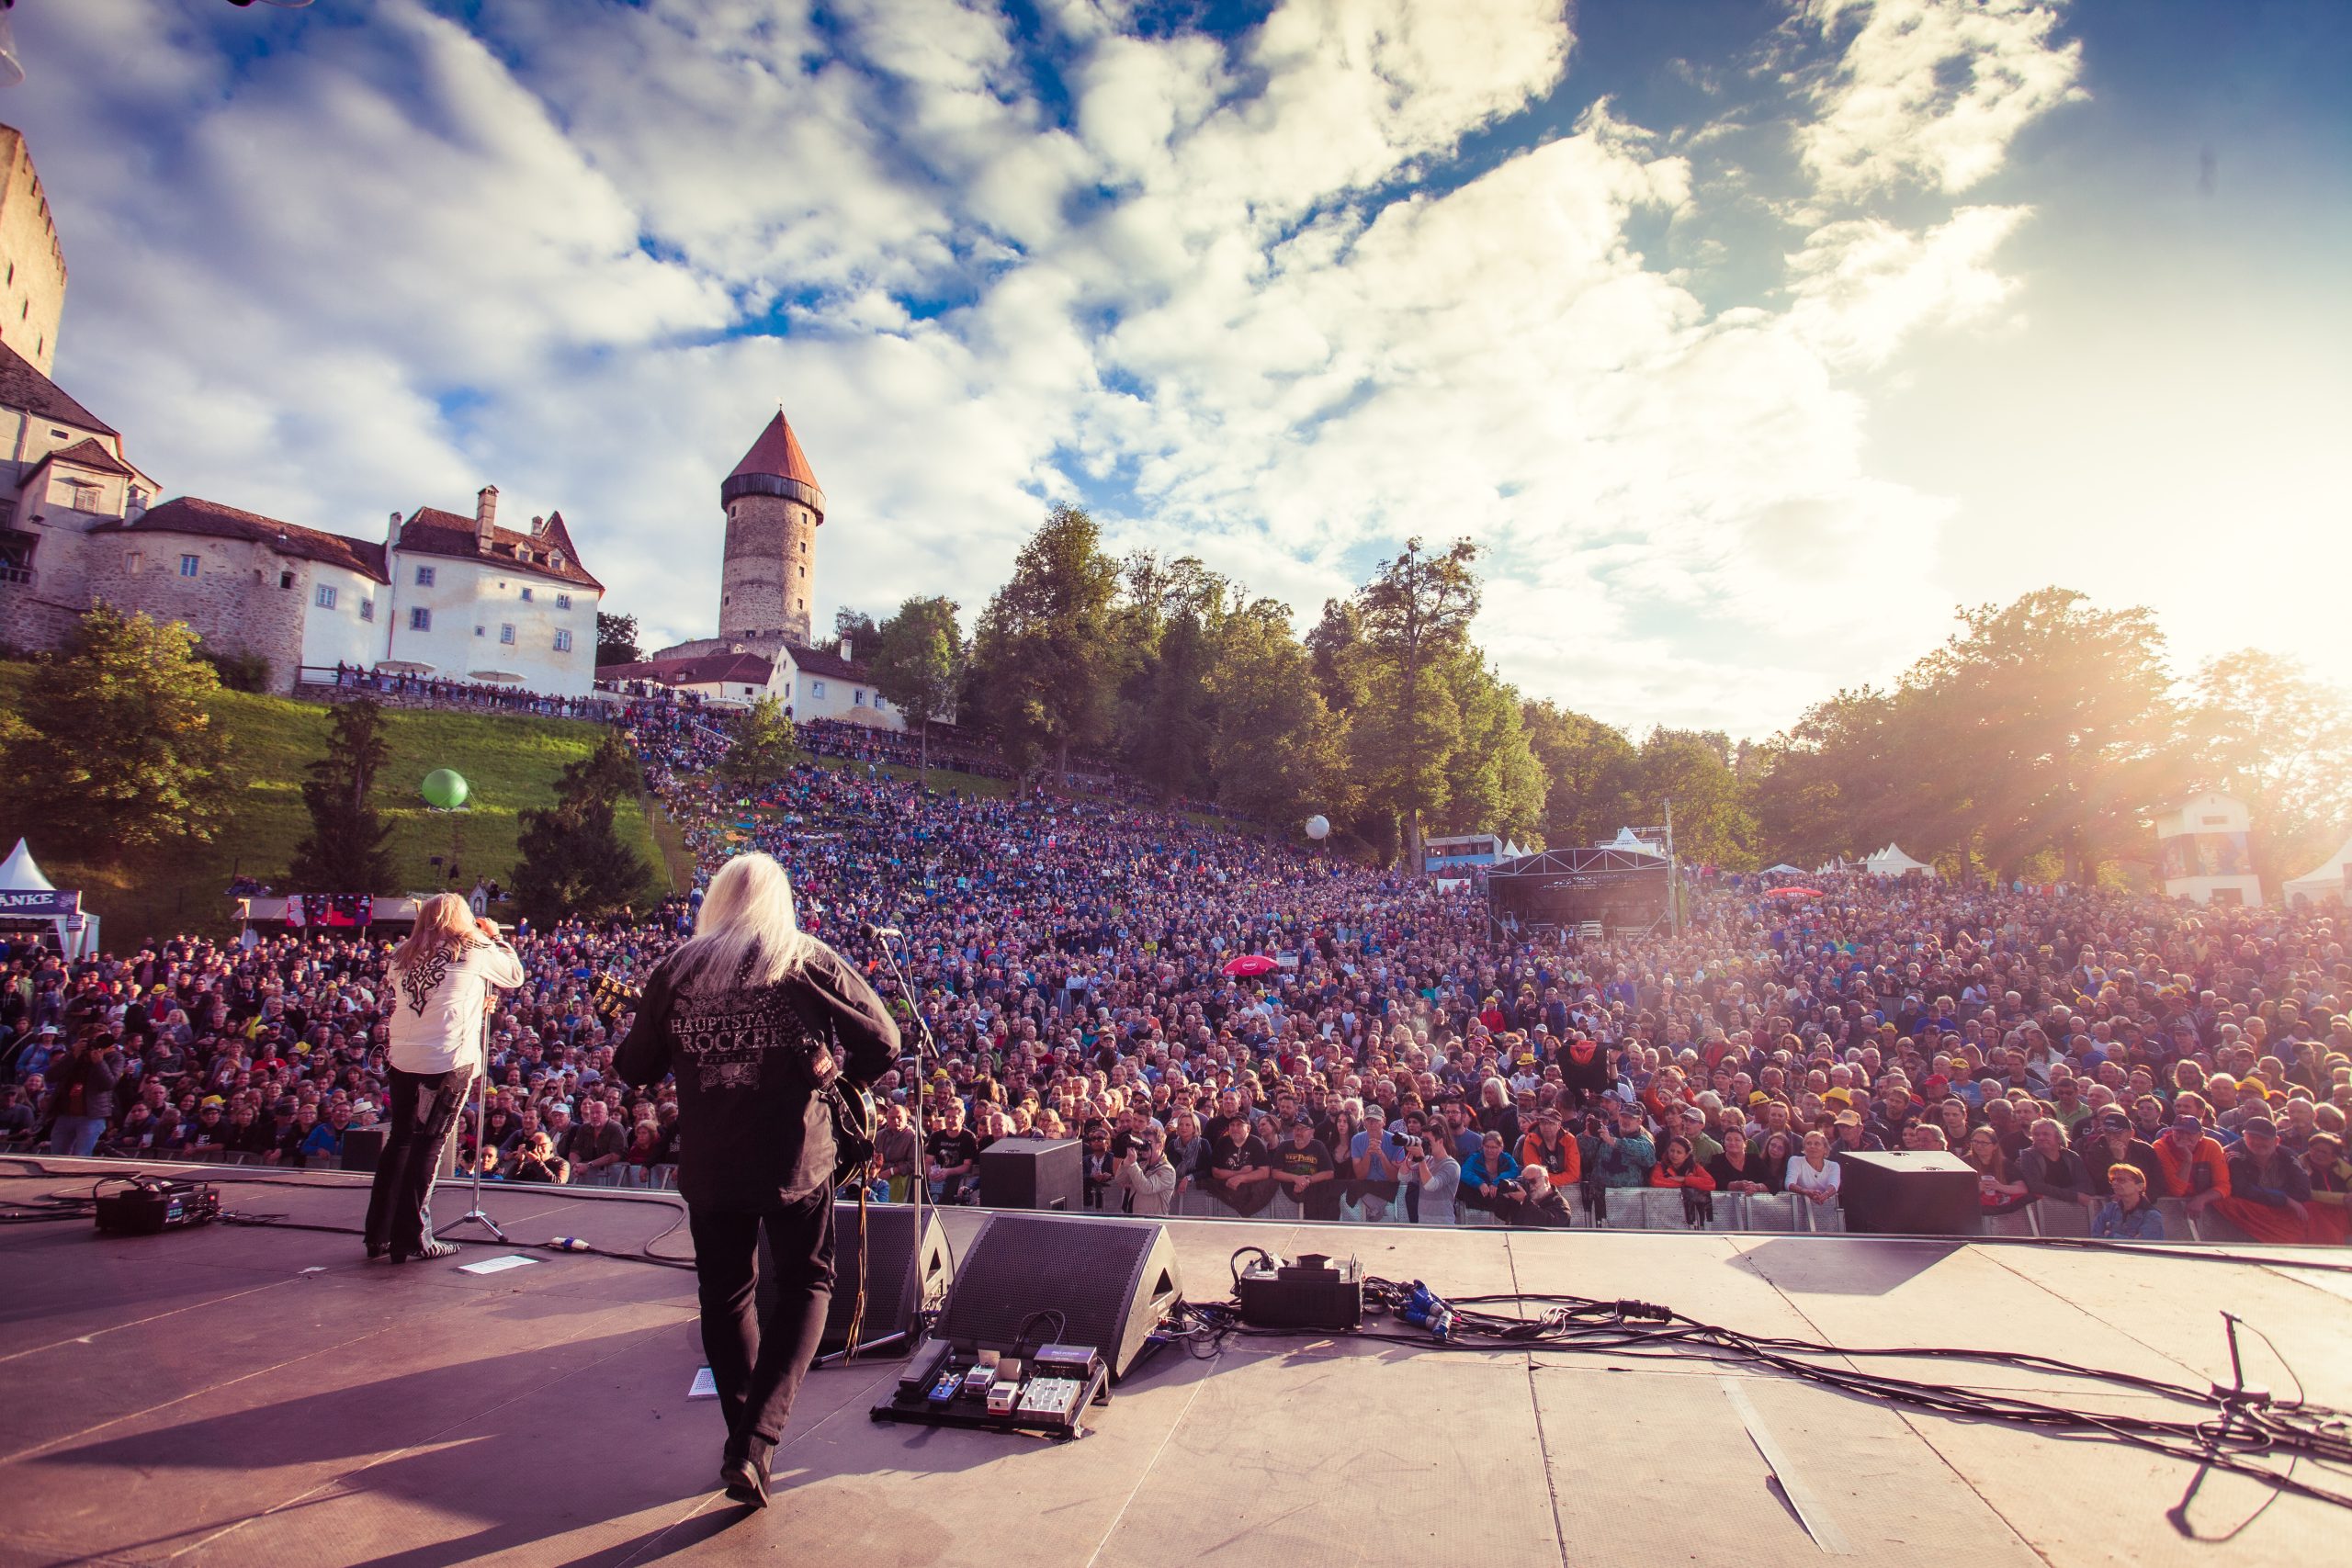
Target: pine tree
348,847
573,864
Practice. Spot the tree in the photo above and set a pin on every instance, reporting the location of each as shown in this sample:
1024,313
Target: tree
763,749
857,626
1416,610
1590,772
1276,752
617,639
918,663
349,849
573,864
1692,768
118,749
1494,782
1335,645
2058,722
1044,662
2260,728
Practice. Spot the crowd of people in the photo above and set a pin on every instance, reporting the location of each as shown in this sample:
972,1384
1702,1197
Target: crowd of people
407,689
2139,1063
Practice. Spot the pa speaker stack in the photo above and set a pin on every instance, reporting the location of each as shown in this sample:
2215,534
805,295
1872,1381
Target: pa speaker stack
1034,1173
1910,1192
1107,1283
899,1280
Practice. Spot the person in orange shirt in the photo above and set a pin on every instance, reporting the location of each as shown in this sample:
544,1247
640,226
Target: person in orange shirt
2192,1165
1679,1169
1548,1146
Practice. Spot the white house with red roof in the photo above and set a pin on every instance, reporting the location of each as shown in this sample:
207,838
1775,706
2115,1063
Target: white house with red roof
469,600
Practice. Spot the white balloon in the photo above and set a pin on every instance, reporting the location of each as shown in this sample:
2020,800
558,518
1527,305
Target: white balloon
1318,827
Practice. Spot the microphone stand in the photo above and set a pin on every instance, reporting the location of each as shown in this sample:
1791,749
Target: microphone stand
926,1051
481,1095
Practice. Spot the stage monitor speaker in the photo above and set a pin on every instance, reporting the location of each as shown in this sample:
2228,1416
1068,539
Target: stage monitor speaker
362,1148
1110,1282
1034,1173
1910,1192
899,1282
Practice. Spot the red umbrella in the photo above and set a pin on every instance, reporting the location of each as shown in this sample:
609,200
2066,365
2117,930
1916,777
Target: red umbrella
1794,893
1251,964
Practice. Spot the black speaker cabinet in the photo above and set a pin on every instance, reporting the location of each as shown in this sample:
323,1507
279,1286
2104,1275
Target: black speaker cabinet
362,1148
899,1282
1910,1192
1034,1173
1112,1283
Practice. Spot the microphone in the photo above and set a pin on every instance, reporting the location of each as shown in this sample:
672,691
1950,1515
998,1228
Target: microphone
870,929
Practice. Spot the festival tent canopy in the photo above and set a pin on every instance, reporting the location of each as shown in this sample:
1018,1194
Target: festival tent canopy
1624,843
2329,882
18,873
1784,868
1893,862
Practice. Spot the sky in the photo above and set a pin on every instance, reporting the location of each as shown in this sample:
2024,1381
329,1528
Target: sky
1748,338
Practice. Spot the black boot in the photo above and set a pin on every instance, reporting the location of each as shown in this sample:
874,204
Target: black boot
743,1472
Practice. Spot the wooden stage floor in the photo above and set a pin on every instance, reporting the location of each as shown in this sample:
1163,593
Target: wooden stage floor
236,1395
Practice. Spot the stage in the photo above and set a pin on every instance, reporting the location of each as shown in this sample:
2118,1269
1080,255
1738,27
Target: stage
240,1395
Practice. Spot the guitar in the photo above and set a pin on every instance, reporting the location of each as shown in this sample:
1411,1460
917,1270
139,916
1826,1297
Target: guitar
856,1122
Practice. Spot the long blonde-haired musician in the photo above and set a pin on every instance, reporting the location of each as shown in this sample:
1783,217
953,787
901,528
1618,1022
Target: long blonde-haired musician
440,988
755,1017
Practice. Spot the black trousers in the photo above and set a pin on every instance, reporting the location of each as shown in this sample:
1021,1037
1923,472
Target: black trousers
758,1361
424,1110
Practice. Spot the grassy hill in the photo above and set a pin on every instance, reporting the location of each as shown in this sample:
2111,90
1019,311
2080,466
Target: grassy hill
511,765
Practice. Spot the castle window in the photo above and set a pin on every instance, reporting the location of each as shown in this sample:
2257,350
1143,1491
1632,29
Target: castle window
507,635
366,609
563,601
816,688
481,631
858,699
324,599
563,642
132,561
527,596
286,580
424,577
187,565
420,619
800,603
804,571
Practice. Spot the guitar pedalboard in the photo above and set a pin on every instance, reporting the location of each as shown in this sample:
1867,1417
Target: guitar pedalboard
1047,1393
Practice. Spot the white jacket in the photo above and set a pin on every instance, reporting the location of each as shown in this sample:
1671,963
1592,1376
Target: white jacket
438,1009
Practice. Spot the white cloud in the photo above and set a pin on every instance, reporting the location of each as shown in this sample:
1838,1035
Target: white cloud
402,261
1931,91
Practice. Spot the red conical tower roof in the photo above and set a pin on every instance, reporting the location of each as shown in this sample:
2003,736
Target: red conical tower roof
775,466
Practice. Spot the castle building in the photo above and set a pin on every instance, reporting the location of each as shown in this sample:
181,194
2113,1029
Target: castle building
32,261
766,586
440,594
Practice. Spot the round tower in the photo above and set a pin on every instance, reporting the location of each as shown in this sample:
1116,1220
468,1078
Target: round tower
773,509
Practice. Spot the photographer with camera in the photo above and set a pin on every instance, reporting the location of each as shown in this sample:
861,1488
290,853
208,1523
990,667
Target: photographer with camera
1144,1174
1626,1151
1530,1200
1432,1176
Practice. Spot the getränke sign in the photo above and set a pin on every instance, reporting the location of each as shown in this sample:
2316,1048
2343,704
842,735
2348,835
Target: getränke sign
38,903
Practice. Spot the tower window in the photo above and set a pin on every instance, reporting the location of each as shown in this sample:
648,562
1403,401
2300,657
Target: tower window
800,603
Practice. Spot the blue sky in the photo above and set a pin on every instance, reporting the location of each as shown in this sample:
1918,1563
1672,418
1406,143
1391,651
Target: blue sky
1748,338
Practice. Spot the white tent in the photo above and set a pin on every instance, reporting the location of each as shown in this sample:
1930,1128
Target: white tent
2325,883
1893,862
27,894
1625,843
1784,869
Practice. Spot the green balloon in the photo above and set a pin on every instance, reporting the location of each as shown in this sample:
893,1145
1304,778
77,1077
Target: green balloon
446,788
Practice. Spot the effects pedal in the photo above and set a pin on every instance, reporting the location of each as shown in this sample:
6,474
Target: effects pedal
1053,1400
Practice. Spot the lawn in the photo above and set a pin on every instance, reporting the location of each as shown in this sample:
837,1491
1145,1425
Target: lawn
510,763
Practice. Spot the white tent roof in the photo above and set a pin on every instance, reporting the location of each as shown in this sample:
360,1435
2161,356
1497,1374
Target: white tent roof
2325,879
19,875
1625,843
1892,862
1783,866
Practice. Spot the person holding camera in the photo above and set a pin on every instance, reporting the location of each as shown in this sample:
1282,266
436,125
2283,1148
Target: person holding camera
440,982
1144,1174
1432,1176
536,1161
1532,1200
